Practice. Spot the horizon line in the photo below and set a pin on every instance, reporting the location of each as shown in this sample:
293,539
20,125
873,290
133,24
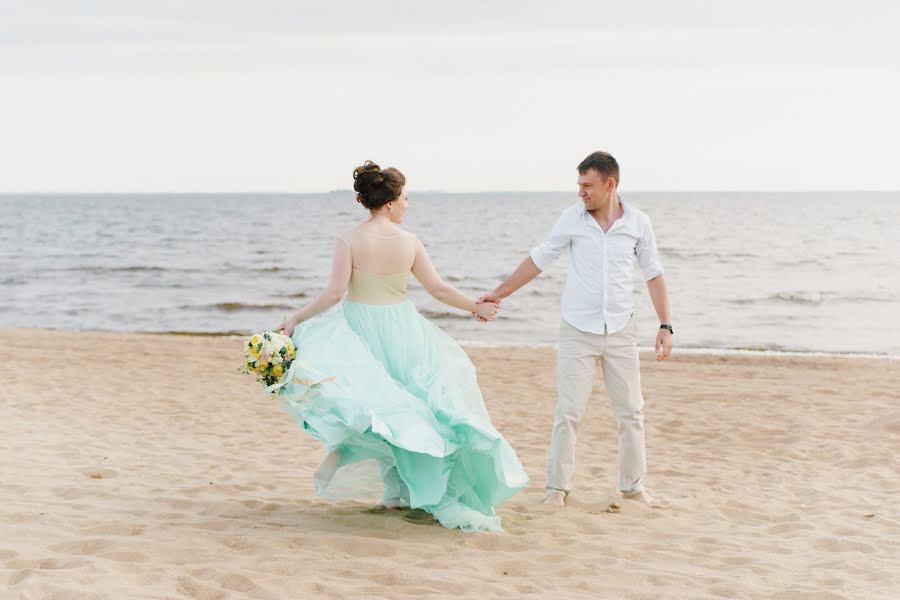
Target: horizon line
433,191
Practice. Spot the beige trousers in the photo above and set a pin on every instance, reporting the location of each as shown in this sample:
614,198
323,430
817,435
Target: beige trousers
577,359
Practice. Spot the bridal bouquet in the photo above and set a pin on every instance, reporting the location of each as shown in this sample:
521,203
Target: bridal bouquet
268,355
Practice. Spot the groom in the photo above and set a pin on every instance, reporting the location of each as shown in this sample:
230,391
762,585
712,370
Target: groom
605,237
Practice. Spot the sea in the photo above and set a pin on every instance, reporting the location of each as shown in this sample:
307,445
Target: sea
812,272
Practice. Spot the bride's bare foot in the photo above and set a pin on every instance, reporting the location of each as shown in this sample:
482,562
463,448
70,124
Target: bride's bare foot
380,509
643,497
419,517
394,503
555,498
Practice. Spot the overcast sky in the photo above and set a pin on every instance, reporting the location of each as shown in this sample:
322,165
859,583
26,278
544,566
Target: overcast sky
272,95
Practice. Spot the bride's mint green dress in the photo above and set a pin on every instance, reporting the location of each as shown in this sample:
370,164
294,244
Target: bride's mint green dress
378,383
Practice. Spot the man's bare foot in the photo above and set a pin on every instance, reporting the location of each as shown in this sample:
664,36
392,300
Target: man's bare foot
644,497
556,498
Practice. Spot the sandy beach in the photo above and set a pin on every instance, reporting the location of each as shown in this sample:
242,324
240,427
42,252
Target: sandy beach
146,466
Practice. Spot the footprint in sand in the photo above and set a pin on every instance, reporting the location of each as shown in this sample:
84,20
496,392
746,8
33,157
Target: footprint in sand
192,588
91,546
6,554
122,556
100,473
121,528
46,563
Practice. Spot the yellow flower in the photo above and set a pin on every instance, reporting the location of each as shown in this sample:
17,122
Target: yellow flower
277,370
262,366
254,351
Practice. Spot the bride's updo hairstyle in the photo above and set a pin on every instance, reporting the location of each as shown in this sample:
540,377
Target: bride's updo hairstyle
374,187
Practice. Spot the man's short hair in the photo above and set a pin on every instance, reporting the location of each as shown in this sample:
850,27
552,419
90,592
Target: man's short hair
603,163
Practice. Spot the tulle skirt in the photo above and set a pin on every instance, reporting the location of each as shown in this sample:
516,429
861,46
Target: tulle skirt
385,389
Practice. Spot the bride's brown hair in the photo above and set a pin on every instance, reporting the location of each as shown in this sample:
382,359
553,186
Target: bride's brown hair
376,187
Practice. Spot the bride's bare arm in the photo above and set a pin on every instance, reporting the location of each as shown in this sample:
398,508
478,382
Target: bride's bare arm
423,270
341,267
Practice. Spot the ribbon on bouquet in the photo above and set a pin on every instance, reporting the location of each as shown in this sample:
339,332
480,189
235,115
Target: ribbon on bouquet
289,376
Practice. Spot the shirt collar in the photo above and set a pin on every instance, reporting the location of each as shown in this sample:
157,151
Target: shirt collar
626,208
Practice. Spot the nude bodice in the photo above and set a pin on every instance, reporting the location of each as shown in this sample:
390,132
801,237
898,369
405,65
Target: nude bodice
381,266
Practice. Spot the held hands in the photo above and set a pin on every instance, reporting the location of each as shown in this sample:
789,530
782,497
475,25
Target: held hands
488,298
663,345
486,311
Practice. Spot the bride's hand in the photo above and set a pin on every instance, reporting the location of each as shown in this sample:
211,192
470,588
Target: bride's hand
287,327
486,311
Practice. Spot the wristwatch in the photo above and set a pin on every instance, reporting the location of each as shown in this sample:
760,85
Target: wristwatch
667,326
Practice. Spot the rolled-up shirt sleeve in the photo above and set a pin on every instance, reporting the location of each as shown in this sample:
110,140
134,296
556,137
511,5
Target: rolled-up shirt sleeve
647,255
559,239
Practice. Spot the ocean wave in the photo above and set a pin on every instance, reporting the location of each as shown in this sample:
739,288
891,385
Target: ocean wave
238,306
701,350
812,298
775,350
549,293
685,254
803,261
199,333
800,298
154,284
854,299
110,270
808,298
127,269
440,314
138,269
447,315
231,267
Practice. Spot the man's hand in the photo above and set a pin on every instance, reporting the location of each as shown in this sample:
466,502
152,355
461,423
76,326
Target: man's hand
663,345
490,297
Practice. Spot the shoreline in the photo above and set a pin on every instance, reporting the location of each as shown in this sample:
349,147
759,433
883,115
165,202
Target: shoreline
679,350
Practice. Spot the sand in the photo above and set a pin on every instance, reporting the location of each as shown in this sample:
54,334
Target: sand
145,466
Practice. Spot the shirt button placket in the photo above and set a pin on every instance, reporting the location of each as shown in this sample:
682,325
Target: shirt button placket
603,281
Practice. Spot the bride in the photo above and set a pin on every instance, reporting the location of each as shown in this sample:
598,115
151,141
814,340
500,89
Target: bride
376,381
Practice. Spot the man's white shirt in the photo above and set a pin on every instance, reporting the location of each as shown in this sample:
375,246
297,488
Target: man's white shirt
599,292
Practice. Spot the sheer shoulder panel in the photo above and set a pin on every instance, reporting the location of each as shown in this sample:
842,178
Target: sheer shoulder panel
381,255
